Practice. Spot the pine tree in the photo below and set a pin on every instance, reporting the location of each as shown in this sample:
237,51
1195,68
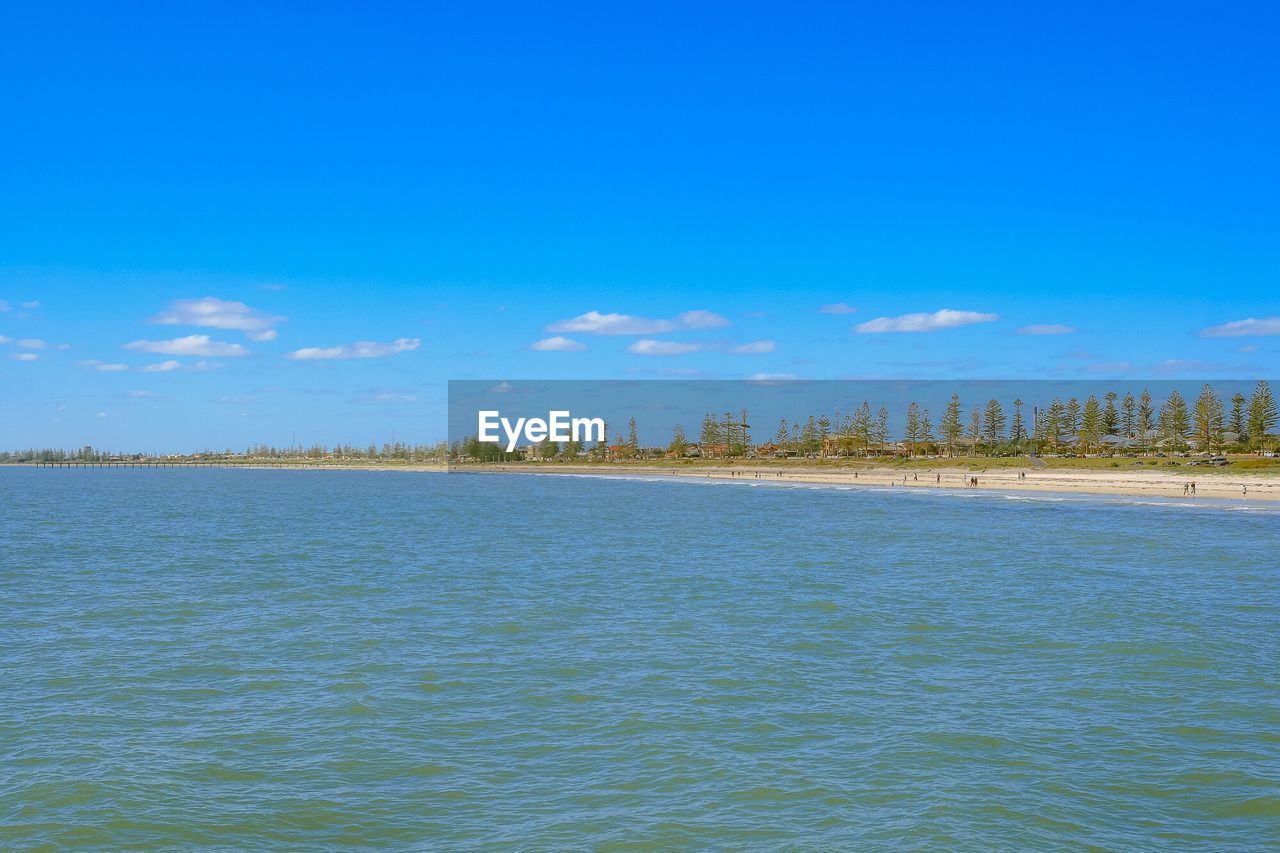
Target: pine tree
913,427
780,437
709,435
1130,419
1073,416
1017,430
678,442
1262,414
1090,423
1055,423
926,428
975,428
1238,423
863,428
633,436
951,427
882,427
1146,417
1110,417
1209,419
993,421
1175,421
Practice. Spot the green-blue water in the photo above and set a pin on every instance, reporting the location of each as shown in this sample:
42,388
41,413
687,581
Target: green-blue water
312,660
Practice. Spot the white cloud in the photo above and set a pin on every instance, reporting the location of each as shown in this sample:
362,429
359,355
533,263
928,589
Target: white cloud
595,323
923,322
1046,329
220,314
651,347
557,344
163,366
701,320
31,343
753,348
190,345
141,394
101,414
360,349
772,377
837,308
26,356
501,388
1249,348
101,366
4,340
1244,328
34,303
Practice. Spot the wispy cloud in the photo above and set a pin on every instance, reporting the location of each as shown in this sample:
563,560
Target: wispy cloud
753,348
172,365
595,323
4,306
1046,329
501,388
140,395
101,366
837,308
197,345
26,343
213,313
946,318
557,344
651,347
1244,328
25,356
359,349
772,377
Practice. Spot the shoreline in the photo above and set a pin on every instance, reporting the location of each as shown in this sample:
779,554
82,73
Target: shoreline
1154,484
1161,484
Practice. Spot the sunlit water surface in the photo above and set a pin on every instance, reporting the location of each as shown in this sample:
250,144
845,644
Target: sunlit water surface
311,660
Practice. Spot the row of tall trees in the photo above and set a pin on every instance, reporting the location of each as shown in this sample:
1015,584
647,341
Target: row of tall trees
990,428
388,452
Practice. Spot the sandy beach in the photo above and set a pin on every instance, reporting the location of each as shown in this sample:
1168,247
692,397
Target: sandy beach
1134,483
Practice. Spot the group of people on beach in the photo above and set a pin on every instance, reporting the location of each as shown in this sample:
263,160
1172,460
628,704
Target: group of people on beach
1190,488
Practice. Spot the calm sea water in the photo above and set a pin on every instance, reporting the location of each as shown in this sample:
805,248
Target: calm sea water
312,660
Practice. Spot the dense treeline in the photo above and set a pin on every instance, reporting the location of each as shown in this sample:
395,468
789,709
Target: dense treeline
1115,422
390,452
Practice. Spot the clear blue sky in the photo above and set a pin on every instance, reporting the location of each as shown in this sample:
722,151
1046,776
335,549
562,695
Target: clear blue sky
454,186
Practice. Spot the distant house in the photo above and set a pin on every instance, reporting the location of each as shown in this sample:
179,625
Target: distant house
714,450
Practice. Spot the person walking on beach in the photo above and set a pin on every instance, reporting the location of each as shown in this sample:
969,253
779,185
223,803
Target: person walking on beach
1193,488
1186,489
